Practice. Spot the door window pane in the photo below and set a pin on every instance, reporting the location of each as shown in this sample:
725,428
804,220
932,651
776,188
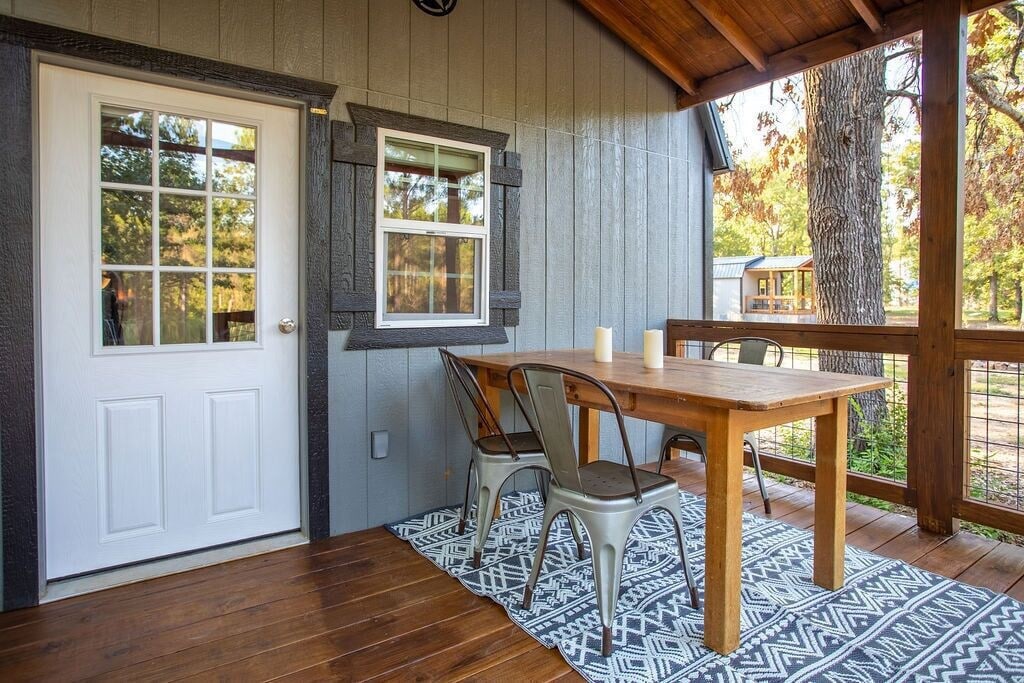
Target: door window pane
234,158
164,279
431,274
234,307
126,227
126,145
234,233
182,230
182,147
182,308
126,308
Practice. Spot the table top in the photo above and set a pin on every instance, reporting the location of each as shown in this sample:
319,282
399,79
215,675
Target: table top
726,385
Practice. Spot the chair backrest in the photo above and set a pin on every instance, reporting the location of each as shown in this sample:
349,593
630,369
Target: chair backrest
545,392
753,350
468,394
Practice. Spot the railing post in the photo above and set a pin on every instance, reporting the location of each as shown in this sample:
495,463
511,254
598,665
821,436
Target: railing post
935,404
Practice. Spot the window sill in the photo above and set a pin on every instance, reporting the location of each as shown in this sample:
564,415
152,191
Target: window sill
365,338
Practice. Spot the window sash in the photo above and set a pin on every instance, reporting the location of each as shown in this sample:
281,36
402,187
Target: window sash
481,278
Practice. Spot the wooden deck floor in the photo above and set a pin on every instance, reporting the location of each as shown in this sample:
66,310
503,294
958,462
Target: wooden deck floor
366,606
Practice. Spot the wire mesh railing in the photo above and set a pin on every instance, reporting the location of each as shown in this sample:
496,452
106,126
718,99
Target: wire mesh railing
994,419
878,434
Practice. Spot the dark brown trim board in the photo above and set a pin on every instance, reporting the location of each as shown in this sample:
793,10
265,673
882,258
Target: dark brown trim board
19,474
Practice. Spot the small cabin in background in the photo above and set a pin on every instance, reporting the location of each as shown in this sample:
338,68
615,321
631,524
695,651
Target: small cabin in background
764,288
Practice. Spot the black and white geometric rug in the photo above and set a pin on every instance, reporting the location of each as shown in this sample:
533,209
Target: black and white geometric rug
891,621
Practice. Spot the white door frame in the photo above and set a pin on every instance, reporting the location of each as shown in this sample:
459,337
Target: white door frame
311,273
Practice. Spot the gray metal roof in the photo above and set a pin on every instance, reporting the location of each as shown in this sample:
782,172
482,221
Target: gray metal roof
726,267
780,263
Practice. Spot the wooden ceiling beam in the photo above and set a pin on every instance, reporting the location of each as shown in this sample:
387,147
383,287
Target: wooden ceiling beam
898,23
895,25
611,14
733,32
868,11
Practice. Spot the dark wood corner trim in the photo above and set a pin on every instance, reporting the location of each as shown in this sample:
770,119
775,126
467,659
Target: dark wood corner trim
18,460
366,338
154,60
317,323
363,115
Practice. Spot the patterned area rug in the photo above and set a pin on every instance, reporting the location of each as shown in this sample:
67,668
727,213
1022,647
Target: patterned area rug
891,621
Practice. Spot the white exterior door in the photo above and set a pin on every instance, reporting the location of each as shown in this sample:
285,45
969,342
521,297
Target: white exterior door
169,253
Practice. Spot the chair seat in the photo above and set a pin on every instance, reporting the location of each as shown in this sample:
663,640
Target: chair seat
610,480
523,442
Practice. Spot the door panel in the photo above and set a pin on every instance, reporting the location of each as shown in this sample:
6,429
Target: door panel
131,466
168,252
232,423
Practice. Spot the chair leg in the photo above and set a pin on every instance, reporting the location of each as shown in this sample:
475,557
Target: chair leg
608,546
465,505
542,485
756,459
577,535
484,515
538,558
677,517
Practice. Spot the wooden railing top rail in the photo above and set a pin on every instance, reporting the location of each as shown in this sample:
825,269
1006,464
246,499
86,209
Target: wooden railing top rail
866,338
999,345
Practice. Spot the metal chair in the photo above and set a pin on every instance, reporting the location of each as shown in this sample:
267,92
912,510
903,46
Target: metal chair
606,497
753,351
497,455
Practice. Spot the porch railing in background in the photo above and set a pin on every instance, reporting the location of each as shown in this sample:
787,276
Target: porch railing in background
884,462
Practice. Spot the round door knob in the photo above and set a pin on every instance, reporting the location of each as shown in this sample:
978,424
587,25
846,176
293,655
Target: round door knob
286,325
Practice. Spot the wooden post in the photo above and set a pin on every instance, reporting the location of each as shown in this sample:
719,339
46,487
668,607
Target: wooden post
830,495
590,433
724,532
935,404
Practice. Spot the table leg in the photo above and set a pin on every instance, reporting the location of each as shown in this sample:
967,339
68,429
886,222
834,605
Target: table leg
493,396
723,532
590,434
830,496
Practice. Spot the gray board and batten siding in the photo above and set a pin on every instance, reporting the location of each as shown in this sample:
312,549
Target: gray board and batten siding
613,195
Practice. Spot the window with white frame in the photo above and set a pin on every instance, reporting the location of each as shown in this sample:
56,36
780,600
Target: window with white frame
433,231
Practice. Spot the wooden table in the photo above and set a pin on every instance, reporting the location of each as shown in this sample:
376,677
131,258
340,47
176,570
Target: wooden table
724,400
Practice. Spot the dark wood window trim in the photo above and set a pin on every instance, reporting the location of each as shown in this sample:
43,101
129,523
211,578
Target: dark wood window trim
353,215
18,441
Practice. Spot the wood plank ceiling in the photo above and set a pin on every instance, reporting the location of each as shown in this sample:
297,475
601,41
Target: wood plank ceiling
713,48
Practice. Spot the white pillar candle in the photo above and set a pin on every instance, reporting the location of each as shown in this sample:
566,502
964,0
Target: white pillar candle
654,349
603,344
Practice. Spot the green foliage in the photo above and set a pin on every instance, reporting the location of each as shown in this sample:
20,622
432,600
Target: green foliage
883,450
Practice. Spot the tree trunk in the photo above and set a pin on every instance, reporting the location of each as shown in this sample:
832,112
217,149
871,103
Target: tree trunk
845,101
993,297
1018,301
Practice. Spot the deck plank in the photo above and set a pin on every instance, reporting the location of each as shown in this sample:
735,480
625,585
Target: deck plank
880,531
537,665
998,570
956,554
